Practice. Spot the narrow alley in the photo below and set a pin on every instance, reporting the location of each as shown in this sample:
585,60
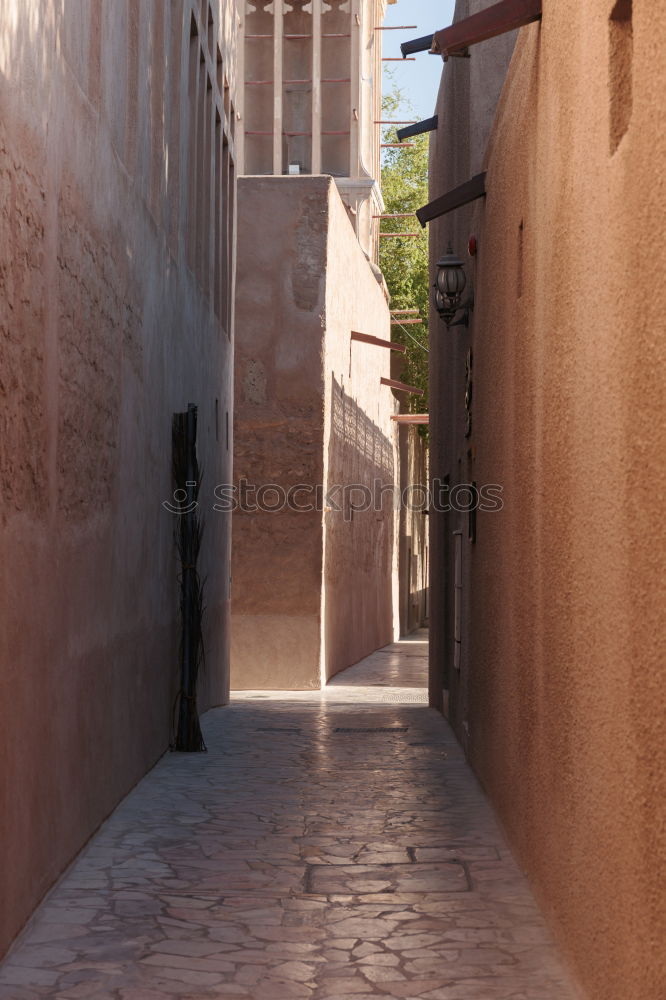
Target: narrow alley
321,322
330,844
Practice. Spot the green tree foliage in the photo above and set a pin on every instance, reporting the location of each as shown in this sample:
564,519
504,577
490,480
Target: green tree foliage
404,262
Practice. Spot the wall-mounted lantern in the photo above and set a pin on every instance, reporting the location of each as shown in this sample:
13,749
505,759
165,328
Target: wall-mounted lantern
449,286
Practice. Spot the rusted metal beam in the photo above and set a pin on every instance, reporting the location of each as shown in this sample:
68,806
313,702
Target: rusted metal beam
496,20
462,195
418,128
402,386
366,338
411,418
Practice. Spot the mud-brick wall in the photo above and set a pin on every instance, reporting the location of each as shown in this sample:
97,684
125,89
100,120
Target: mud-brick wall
414,514
466,103
105,331
568,602
278,420
360,606
312,589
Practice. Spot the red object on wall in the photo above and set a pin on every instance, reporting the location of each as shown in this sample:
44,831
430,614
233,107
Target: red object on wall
471,246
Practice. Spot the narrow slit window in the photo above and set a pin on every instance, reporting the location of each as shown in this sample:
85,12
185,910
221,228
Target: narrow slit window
192,142
211,30
208,201
620,67
218,196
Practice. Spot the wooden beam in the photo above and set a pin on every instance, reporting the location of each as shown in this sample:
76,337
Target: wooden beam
411,418
421,44
496,20
394,312
315,96
418,128
278,102
400,234
462,195
366,338
405,322
402,386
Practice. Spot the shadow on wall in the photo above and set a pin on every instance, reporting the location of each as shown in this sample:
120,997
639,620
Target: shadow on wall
358,562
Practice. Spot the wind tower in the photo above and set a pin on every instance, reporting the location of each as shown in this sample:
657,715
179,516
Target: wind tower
311,98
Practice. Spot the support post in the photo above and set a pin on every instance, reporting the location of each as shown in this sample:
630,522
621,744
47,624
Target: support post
278,25
316,88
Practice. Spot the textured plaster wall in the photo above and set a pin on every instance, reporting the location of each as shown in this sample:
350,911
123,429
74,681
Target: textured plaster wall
312,593
103,334
466,103
279,419
360,601
566,700
414,515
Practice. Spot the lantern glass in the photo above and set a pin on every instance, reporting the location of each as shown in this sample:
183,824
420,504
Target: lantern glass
451,281
449,284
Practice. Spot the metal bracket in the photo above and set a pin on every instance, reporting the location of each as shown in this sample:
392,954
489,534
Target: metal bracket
466,308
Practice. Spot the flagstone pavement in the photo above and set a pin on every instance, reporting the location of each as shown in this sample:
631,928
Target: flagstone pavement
330,845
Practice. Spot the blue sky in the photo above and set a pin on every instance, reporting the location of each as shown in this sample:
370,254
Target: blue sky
418,80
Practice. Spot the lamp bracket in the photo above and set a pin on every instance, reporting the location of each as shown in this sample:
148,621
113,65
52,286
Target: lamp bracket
466,308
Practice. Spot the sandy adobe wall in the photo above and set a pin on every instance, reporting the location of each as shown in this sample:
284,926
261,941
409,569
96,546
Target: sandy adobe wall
279,419
104,331
566,699
466,103
311,590
360,606
414,514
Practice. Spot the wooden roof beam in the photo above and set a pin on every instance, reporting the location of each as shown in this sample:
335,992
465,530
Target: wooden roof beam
508,15
401,386
462,195
418,128
422,44
366,338
411,418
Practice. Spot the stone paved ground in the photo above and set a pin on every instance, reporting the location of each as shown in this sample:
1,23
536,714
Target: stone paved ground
330,846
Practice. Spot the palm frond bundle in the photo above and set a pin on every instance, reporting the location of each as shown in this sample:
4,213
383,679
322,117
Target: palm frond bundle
189,533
